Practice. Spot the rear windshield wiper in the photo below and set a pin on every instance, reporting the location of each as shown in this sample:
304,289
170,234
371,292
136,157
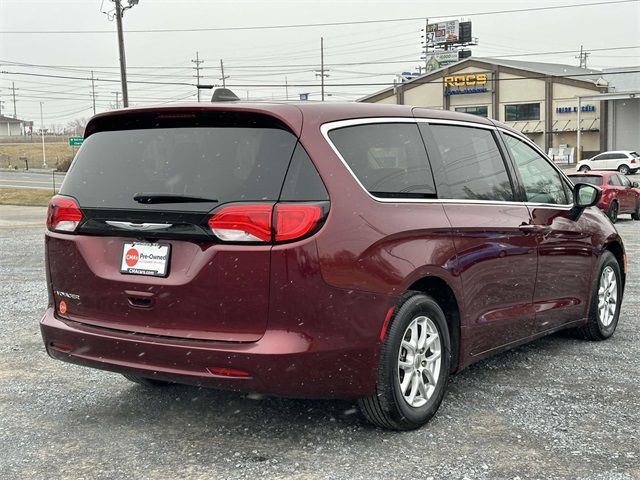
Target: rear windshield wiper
169,198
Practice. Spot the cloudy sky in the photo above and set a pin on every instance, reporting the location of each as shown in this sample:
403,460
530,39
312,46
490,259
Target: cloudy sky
49,48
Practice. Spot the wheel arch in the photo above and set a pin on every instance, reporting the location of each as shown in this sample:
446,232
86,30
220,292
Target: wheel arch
616,248
442,293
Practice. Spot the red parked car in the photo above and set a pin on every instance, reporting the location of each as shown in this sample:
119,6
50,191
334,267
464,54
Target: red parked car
319,250
619,194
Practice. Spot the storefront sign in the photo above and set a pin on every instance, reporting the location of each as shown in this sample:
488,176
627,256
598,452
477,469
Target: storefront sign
468,83
584,108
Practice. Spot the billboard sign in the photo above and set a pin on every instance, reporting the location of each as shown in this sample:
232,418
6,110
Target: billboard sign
440,59
443,32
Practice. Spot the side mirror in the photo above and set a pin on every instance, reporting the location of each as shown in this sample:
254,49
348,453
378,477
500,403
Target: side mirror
635,185
586,195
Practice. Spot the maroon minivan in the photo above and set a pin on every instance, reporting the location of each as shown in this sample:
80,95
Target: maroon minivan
319,250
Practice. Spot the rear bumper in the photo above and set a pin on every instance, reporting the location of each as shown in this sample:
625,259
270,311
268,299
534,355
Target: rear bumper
282,362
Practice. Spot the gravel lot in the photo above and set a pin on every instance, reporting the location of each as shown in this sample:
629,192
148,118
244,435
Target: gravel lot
558,408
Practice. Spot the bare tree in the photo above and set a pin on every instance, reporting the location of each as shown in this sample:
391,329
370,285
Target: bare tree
76,126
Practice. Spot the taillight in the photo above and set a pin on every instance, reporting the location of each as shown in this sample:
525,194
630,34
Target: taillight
63,214
633,160
253,222
295,220
242,223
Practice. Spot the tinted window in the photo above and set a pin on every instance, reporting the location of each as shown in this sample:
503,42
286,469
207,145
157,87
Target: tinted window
389,159
523,111
303,183
481,111
542,183
223,163
602,156
592,179
614,180
635,154
467,163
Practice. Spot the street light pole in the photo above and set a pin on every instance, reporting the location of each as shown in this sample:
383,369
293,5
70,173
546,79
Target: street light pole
123,61
44,154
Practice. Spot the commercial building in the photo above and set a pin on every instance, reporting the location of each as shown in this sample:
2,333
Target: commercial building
544,101
11,127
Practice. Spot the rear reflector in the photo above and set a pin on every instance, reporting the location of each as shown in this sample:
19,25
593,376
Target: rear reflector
295,221
63,214
242,223
385,324
62,346
228,372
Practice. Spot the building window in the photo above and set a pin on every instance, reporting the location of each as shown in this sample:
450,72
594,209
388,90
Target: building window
523,111
480,111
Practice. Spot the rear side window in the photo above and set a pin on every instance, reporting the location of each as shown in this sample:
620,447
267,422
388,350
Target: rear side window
223,163
303,183
389,159
592,179
467,163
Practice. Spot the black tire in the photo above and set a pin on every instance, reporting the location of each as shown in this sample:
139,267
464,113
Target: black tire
584,168
387,407
636,214
624,169
147,382
612,213
595,329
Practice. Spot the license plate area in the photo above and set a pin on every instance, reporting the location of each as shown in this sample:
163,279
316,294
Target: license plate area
150,259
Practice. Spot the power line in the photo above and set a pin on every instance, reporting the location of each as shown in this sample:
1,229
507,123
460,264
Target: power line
325,24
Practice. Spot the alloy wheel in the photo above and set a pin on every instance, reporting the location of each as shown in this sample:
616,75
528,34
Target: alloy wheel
419,360
607,296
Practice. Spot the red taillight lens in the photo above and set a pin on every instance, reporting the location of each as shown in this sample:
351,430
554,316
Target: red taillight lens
63,214
252,223
295,221
633,160
242,223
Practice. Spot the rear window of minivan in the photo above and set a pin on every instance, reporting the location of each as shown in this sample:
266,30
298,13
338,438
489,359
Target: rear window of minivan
226,164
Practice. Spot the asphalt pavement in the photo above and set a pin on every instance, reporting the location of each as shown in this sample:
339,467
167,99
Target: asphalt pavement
559,408
31,179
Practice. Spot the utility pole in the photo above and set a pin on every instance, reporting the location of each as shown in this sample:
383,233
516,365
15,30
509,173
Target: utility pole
322,74
44,154
13,87
197,61
224,82
93,93
116,93
322,66
583,57
123,60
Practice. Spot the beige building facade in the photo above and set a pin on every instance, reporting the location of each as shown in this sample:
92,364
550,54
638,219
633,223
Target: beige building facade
538,99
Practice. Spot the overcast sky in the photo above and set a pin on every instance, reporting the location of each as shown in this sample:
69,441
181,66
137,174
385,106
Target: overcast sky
262,58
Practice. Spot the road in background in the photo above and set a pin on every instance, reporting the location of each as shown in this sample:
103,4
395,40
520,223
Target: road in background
22,179
559,408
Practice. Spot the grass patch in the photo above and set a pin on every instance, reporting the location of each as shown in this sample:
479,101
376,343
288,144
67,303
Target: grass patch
31,197
10,154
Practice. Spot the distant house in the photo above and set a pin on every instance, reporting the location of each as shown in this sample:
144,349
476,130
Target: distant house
12,127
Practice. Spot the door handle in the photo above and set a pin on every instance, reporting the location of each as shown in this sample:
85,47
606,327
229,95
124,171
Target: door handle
541,229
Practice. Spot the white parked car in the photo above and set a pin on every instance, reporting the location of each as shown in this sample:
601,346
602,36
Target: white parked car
624,161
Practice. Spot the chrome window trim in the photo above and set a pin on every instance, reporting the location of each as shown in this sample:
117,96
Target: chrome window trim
325,128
